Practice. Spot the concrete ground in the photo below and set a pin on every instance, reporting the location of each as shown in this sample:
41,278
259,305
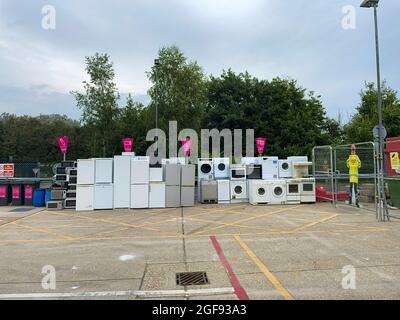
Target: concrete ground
272,252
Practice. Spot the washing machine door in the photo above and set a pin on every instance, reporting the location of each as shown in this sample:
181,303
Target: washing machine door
238,190
205,168
278,191
221,167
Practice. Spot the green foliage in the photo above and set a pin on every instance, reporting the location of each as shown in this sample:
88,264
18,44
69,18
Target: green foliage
179,89
366,118
292,120
99,102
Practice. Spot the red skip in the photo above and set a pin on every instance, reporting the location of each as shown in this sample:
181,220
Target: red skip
239,290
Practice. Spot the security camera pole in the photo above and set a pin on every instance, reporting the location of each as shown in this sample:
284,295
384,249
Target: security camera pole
382,208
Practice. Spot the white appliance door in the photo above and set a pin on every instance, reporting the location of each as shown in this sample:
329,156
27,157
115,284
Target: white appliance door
156,174
104,170
122,182
103,196
85,172
84,198
140,171
157,195
139,196
224,190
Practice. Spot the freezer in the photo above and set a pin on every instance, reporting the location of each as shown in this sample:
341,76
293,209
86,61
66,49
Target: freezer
187,196
85,172
172,174
188,175
84,197
103,196
157,195
156,174
172,196
139,196
104,170
122,181
140,171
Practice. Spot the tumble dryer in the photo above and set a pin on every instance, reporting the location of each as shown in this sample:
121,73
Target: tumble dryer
285,169
239,191
221,168
259,192
293,191
205,169
278,192
270,167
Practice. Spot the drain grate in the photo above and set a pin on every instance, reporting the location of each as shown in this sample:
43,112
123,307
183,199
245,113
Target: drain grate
191,279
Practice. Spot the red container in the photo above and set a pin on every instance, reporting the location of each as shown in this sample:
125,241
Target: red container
392,145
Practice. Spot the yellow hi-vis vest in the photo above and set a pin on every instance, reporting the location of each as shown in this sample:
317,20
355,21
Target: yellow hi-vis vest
353,163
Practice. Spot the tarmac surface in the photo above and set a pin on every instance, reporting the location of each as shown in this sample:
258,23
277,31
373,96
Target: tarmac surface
303,252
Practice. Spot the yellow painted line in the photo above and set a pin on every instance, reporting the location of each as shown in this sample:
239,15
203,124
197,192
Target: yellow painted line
263,268
43,230
248,219
180,236
26,217
309,225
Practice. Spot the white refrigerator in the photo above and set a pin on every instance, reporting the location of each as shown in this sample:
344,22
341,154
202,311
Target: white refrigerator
103,189
122,182
85,185
140,179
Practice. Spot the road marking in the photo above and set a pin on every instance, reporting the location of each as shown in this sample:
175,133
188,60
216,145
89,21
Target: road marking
247,219
309,225
138,293
20,219
268,274
239,290
43,230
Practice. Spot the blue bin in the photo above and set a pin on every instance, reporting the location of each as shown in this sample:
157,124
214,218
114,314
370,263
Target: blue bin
39,196
48,196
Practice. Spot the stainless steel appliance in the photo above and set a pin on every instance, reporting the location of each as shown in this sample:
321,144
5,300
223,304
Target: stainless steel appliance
209,191
172,178
188,173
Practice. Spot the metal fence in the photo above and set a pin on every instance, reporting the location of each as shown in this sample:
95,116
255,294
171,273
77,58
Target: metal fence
30,169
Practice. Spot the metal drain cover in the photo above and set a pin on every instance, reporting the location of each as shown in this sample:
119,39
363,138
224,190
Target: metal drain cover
191,278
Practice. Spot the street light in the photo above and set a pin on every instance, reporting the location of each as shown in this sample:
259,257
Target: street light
381,187
156,65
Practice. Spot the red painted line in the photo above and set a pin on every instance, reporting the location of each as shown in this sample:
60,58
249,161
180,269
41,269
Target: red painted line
239,290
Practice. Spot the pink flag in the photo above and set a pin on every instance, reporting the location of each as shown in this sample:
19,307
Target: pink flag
63,144
187,146
261,143
128,144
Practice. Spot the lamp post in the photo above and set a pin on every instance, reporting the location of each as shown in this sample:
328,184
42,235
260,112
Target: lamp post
381,186
156,65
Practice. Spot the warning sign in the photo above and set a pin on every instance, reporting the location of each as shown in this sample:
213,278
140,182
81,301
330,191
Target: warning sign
7,170
394,160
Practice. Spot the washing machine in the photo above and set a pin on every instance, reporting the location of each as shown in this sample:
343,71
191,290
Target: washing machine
221,168
293,189
285,169
270,167
278,192
239,191
205,169
259,192
307,190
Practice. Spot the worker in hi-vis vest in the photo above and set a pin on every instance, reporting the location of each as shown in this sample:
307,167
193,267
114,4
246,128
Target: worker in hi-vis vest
354,164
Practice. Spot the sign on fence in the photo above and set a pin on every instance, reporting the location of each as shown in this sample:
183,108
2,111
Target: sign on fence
7,170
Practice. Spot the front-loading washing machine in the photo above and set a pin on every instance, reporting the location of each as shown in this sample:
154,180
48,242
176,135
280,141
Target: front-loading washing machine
205,169
221,168
239,191
293,191
278,192
259,192
285,169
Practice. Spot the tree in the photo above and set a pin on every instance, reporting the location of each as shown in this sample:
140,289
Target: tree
99,102
359,129
178,88
292,120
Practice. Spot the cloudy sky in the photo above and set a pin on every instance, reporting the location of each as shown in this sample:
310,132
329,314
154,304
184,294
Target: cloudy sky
301,39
